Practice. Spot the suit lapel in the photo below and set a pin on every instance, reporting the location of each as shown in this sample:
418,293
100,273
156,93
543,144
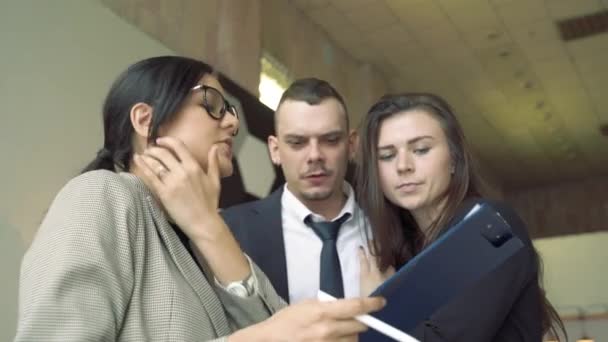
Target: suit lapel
190,270
268,243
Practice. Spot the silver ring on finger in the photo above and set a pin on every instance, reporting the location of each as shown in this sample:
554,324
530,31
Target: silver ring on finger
161,172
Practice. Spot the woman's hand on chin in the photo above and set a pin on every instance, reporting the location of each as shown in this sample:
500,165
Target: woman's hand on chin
188,193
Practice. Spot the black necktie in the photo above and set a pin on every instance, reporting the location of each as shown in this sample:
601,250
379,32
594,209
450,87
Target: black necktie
331,272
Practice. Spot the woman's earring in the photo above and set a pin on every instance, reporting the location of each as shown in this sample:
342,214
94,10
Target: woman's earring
452,169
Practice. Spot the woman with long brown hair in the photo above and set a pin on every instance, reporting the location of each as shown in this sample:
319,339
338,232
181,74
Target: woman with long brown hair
415,178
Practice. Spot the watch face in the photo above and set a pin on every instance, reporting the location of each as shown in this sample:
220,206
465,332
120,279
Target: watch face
237,289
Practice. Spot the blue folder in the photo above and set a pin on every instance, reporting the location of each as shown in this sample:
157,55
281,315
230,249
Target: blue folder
469,250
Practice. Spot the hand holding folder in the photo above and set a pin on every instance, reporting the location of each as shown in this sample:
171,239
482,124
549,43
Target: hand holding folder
472,248
374,323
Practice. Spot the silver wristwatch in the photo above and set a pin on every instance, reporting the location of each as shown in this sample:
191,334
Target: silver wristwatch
242,288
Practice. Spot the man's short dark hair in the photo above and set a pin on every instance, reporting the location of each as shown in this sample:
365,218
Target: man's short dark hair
312,91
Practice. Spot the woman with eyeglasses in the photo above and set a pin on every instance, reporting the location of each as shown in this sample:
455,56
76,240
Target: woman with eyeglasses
133,249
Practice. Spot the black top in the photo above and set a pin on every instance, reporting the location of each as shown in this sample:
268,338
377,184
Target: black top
186,242
506,305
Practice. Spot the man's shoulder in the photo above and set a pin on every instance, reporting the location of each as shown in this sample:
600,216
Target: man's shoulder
253,207
273,199
241,208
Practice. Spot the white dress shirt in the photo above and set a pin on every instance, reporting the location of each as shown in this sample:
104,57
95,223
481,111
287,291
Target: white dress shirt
303,246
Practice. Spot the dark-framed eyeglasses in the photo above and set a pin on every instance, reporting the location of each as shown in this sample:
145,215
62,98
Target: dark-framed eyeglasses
215,103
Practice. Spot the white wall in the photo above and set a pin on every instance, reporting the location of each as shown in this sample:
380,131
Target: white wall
598,330
57,60
576,268
11,250
576,275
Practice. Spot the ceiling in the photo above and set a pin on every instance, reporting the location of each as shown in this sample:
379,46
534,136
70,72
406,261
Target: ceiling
530,103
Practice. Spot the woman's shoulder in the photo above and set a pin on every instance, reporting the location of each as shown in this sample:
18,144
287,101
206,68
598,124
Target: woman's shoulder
504,209
104,184
510,215
101,191
103,201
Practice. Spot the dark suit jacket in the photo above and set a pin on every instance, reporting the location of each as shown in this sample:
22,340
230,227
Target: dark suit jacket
504,306
257,226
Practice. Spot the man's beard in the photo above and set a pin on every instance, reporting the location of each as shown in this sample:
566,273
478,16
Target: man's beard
318,195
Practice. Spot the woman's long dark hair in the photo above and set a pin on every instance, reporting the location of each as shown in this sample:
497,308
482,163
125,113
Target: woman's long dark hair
163,83
397,236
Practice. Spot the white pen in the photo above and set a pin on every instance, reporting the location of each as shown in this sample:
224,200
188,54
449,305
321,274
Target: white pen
374,323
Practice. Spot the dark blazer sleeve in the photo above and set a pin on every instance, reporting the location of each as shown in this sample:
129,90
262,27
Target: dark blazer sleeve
257,227
504,306
236,218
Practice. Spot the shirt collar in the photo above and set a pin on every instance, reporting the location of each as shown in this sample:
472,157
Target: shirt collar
292,205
